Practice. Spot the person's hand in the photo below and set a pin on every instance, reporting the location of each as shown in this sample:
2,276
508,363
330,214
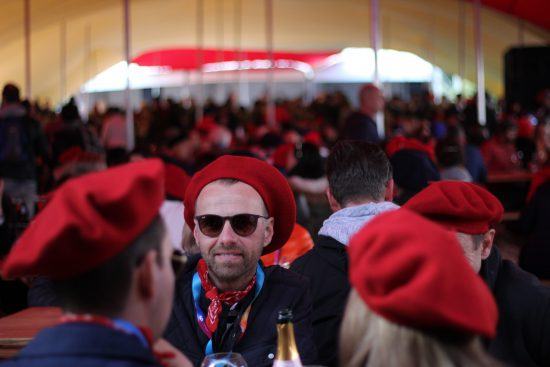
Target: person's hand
170,356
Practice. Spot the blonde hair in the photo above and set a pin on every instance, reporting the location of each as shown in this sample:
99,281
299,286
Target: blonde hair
367,339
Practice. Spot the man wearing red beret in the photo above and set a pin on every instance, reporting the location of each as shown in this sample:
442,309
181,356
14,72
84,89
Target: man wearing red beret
523,333
238,208
108,254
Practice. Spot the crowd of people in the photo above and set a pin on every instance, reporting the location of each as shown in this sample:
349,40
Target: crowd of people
385,248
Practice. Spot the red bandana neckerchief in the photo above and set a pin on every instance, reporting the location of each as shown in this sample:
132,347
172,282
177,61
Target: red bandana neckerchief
216,298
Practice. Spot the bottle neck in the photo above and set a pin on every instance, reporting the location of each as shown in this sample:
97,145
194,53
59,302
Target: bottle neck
286,343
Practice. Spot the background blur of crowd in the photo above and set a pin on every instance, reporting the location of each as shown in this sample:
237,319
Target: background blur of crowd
426,141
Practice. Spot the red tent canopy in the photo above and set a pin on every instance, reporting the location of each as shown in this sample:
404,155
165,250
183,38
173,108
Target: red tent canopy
188,58
534,11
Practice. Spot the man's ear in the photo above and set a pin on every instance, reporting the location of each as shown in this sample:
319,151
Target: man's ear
269,231
487,243
334,205
145,275
388,195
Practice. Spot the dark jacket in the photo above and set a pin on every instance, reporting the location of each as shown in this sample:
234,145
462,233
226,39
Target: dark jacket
359,126
83,345
33,144
7,226
326,266
535,220
523,333
282,289
13,293
473,160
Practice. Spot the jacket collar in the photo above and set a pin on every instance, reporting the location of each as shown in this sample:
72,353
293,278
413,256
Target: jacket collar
77,339
490,268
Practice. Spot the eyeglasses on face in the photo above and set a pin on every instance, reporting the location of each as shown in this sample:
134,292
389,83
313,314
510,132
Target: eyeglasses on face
244,225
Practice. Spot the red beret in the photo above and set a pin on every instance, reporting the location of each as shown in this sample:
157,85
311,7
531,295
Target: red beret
281,154
403,273
402,143
264,178
176,181
458,206
89,220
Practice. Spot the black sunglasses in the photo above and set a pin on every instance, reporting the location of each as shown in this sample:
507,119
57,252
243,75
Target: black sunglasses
244,225
178,261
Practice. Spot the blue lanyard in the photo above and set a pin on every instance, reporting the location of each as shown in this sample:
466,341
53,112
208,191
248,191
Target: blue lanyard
131,329
197,288
121,325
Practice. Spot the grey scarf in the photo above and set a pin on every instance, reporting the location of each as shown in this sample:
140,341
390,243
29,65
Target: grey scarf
344,223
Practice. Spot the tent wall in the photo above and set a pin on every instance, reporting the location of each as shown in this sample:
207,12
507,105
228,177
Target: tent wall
428,28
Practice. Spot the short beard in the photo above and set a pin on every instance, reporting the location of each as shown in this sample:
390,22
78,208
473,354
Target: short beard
234,275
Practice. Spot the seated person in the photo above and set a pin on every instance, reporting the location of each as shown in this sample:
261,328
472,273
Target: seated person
238,209
108,254
415,301
360,188
524,303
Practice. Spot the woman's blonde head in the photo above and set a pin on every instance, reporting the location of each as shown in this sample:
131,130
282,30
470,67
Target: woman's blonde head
367,339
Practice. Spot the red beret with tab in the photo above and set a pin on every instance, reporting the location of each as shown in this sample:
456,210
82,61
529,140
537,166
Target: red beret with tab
264,178
89,220
458,206
412,272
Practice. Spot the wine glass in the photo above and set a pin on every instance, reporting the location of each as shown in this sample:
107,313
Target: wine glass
224,360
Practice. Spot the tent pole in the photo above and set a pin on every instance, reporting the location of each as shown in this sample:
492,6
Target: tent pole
269,43
462,43
375,43
63,60
220,57
199,105
27,29
127,100
238,45
481,113
87,68
375,37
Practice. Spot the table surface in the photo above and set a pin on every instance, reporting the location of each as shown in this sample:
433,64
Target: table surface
18,329
513,176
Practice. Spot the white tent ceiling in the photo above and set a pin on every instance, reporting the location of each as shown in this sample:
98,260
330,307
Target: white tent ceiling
94,33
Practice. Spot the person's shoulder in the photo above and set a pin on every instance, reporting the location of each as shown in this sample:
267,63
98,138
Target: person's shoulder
324,246
279,277
304,261
65,344
356,116
522,286
328,243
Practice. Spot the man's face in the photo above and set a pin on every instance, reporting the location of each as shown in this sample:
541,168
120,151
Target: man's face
164,283
232,258
373,100
474,250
